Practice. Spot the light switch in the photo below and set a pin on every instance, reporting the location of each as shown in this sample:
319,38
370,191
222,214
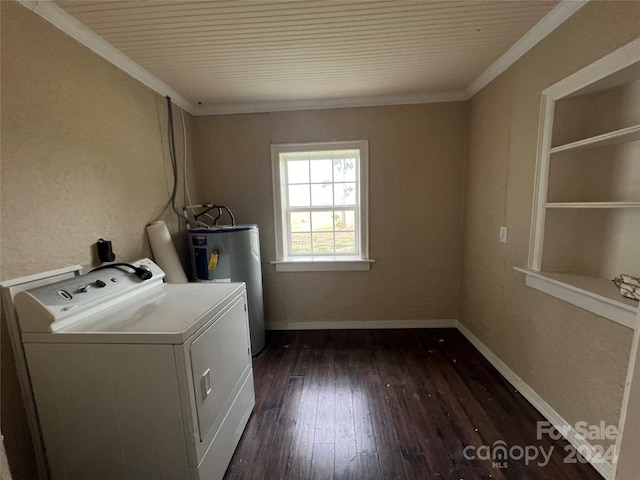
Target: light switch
502,236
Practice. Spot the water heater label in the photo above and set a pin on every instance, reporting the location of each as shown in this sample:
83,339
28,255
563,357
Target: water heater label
221,280
199,240
213,260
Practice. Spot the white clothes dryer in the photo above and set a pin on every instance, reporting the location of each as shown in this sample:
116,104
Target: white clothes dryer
138,379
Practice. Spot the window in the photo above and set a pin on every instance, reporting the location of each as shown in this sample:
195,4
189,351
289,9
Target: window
320,202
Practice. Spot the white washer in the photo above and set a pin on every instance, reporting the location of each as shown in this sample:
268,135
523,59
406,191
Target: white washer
138,379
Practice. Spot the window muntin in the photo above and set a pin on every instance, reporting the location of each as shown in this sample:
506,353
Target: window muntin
320,202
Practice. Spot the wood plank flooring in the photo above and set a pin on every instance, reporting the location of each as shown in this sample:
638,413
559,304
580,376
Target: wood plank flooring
388,404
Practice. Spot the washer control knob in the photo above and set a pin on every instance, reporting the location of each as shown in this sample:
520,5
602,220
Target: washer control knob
100,284
84,288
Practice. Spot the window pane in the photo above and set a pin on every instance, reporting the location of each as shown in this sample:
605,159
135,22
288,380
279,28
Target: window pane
344,170
298,171
323,243
345,242
298,195
322,221
345,193
300,222
345,220
321,195
321,171
300,243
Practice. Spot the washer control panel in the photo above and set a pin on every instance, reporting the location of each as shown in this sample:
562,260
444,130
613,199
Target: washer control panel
57,305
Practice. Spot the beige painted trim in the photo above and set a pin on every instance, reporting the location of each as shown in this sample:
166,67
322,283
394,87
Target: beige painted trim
607,65
592,205
605,468
335,264
628,462
623,135
541,180
5,471
289,263
585,292
374,101
72,27
544,27
366,325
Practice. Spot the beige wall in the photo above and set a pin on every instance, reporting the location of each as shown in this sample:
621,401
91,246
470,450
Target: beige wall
416,155
84,155
629,464
575,360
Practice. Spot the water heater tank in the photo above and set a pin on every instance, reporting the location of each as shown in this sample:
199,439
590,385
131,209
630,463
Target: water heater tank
232,254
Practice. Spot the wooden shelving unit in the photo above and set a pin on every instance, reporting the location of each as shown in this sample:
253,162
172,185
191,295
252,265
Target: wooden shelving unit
586,225
592,205
624,135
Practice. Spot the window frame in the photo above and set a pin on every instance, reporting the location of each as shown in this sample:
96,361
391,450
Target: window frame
320,261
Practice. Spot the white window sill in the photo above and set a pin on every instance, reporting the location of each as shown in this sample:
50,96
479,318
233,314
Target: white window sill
323,264
597,295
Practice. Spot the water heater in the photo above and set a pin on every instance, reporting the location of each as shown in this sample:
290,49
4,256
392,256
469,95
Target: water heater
232,254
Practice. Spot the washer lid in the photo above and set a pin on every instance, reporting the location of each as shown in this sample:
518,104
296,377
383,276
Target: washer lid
168,314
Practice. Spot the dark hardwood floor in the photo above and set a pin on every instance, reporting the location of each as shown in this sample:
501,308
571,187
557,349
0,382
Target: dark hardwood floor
392,404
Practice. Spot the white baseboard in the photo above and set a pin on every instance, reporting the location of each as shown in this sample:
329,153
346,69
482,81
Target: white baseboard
605,468
366,324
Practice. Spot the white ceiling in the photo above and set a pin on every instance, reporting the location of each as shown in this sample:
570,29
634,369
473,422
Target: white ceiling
238,56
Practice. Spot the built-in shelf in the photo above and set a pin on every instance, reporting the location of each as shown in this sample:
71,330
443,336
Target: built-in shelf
587,200
592,205
625,135
597,295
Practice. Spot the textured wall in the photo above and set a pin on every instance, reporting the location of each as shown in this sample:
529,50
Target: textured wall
84,155
575,360
416,156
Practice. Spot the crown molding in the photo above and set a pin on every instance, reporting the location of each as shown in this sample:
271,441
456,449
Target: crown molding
551,21
87,37
372,101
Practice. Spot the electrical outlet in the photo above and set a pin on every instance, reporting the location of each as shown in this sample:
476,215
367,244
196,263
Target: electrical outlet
502,236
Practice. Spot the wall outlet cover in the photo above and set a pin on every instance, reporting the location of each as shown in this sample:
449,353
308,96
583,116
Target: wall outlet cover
502,236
